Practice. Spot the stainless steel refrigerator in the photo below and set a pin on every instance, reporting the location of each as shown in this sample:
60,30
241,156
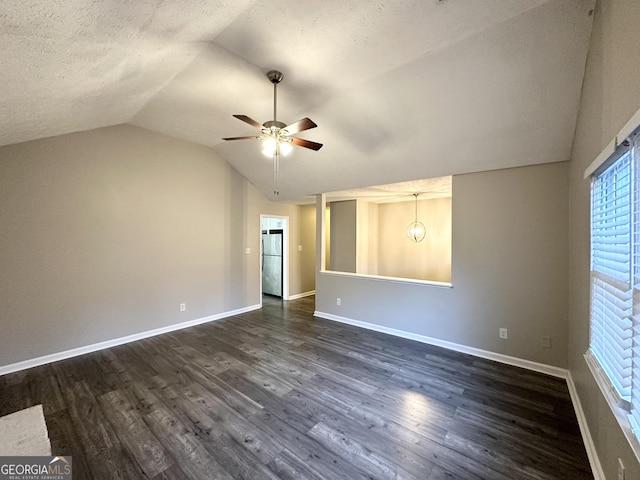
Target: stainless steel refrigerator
272,262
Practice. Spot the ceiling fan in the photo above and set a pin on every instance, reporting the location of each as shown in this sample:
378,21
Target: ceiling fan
277,136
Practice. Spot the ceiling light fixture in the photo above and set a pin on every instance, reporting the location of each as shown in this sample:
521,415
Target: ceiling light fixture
270,144
416,231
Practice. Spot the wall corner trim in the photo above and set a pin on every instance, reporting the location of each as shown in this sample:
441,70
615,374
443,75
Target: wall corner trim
301,295
75,352
594,460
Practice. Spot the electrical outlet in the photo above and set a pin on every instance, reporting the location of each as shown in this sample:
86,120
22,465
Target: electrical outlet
546,342
503,333
247,250
620,469
183,307
299,248
338,301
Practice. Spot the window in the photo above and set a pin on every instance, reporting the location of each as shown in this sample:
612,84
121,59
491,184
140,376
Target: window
614,347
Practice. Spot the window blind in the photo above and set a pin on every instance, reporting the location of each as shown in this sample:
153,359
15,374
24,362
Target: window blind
611,274
615,278
635,340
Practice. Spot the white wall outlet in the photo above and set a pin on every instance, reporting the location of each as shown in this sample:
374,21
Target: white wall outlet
620,469
503,333
299,248
247,250
338,301
546,342
183,307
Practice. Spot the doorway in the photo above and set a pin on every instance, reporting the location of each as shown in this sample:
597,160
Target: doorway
274,253
272,268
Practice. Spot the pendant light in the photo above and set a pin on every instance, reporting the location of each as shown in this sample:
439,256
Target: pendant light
416,231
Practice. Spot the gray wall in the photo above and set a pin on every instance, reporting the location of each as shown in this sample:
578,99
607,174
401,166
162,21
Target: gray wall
610,96
105,232
509,253
343,237
307,257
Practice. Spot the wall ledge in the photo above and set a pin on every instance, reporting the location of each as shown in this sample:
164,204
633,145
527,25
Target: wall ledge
382,278
75,352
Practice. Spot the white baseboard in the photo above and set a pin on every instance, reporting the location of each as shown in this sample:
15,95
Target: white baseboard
301,295
498,357
74,352
589,446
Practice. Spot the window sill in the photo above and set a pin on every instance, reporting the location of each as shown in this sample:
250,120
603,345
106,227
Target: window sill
614,402
381,278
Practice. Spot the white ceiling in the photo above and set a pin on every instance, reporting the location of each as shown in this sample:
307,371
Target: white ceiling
400,90
426,189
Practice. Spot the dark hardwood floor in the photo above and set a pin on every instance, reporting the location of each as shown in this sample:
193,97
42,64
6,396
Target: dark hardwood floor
276,393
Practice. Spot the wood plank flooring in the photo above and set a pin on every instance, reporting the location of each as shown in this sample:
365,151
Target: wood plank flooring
278,394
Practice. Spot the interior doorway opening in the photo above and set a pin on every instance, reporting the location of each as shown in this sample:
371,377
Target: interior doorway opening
274,256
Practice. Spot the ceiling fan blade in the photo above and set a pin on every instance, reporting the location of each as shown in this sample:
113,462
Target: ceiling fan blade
300,125
301,142
242,138
250,121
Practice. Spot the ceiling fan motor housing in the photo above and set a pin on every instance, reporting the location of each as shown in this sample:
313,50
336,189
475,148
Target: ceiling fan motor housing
274,123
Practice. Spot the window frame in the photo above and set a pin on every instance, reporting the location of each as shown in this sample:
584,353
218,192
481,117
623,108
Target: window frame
626,410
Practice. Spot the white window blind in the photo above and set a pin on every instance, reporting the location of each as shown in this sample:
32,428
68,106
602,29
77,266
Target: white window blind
615,278
635,332
611,289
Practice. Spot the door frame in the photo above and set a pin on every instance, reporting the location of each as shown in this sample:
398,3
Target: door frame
285,254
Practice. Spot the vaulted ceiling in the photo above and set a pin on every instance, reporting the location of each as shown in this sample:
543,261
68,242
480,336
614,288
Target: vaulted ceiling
400,89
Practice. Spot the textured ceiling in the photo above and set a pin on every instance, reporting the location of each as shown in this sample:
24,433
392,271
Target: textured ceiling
400,90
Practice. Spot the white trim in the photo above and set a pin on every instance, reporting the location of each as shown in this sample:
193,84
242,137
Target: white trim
498,357
600,159
74,352
626,131
381,278
613,401
622,135
604,383
301,295
592,454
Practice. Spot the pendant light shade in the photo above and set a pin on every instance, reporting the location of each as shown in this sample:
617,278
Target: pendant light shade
416,230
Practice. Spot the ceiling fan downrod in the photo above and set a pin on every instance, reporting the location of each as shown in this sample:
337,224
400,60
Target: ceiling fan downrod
275,77
273,127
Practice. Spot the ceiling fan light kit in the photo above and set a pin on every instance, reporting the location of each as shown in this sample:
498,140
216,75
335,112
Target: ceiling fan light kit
277,137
